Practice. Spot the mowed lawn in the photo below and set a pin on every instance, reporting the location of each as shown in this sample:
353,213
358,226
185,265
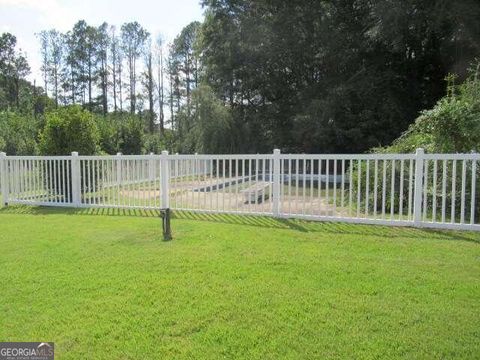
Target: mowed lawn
103,285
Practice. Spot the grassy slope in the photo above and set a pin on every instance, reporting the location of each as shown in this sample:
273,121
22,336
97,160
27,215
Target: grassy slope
108,287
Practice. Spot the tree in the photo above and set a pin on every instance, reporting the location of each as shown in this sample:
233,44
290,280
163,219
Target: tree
86,51
20,70
305,76
56,44
340,76
159,83
44,51
92,60
71,66
16,92
149,87
78,60
103,44
209,126
13,69
133,42
174,90
116,60
185,61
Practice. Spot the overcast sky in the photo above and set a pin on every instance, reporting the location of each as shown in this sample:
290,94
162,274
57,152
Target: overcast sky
24,18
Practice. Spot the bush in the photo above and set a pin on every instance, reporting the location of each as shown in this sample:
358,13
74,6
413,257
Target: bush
109,129
452,126
156,143
131,135
69,129
18,134
125,133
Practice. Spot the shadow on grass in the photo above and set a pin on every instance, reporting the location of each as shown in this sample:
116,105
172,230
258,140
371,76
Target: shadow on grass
260,221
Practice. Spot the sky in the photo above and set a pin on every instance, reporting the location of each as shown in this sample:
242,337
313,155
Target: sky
25,18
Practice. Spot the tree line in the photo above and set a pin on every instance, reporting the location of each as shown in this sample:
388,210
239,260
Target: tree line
303,76
97,67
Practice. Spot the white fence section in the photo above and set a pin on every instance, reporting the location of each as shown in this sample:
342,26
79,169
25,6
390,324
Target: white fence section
422,190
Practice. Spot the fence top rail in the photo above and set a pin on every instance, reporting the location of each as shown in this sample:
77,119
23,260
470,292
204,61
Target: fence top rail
469,156
38,157
118,157
472,156
348,156
221,157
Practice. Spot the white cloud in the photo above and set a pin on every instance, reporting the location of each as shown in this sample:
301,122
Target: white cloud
5,28
52,13
25,18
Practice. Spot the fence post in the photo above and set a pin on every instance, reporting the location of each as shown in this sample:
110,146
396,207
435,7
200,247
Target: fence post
76,179
119,168
418,191
195,164
276,183
176,170
165,178
4,178
151,167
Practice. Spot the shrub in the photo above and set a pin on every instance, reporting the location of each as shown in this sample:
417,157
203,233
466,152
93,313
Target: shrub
109,129
131,135
452,126
69,129
17,133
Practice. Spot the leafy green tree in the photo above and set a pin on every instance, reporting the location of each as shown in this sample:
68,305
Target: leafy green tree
68,129
159,83
340,76
134,37
209,126
184,72
13,70
183,50
148,83
305,76
85,46
102,46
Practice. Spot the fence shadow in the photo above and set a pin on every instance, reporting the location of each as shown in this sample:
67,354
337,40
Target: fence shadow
332,227
335,228
47,210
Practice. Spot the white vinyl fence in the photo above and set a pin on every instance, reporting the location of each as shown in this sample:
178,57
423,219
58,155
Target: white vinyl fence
421,190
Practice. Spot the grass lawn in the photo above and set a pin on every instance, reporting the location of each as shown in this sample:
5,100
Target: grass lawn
108,287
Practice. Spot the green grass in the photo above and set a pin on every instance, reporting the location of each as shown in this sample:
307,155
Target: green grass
102,284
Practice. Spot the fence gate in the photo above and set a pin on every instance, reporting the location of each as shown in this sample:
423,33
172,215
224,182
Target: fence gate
421,190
